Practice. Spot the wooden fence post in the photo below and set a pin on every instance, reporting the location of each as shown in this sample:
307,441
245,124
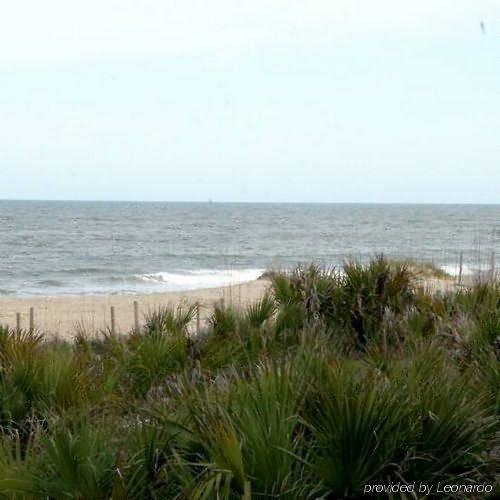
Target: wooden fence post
460,265
18,322
197,318
492,266
113,323
136,316
32,319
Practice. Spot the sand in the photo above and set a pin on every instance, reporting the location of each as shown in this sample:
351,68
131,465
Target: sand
60,315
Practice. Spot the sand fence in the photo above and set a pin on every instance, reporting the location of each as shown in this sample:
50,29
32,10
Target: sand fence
65,316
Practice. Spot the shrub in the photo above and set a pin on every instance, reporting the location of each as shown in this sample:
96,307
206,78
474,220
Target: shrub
335,378
169,319
154,357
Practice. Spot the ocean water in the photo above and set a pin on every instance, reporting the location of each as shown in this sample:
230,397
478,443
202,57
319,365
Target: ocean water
60,247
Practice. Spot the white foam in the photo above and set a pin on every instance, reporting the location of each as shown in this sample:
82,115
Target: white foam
201,278
467,270
454,269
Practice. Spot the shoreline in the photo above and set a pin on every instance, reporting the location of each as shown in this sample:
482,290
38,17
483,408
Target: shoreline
62,316
59,316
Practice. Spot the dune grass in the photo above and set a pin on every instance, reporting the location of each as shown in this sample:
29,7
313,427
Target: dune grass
332,381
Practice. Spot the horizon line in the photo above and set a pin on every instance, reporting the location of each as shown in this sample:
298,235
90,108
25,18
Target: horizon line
214,202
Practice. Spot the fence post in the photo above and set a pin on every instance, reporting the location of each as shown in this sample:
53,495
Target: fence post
197,318
460,265
18,322
32,319
136,316
113,324
492,266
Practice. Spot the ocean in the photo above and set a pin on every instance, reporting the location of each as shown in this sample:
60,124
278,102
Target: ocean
63,247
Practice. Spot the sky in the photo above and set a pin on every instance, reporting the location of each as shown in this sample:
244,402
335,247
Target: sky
257,100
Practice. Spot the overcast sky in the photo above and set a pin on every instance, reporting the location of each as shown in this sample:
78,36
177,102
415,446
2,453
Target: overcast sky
254,100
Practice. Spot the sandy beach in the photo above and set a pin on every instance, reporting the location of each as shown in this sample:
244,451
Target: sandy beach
60,315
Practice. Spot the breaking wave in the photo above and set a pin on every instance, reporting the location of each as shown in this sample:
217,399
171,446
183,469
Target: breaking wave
203,278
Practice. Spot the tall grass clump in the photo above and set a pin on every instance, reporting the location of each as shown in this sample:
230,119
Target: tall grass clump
169,319
356,299
153,357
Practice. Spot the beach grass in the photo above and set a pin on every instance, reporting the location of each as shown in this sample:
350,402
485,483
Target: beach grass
335,379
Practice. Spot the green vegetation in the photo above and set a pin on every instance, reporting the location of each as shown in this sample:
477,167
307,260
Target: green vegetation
334,380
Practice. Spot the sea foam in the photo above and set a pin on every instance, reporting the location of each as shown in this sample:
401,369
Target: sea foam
202,278
454,270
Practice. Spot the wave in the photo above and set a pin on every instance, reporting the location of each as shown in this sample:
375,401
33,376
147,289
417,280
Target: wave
454,270
84,270
467,270
202,278
174,281
50,283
